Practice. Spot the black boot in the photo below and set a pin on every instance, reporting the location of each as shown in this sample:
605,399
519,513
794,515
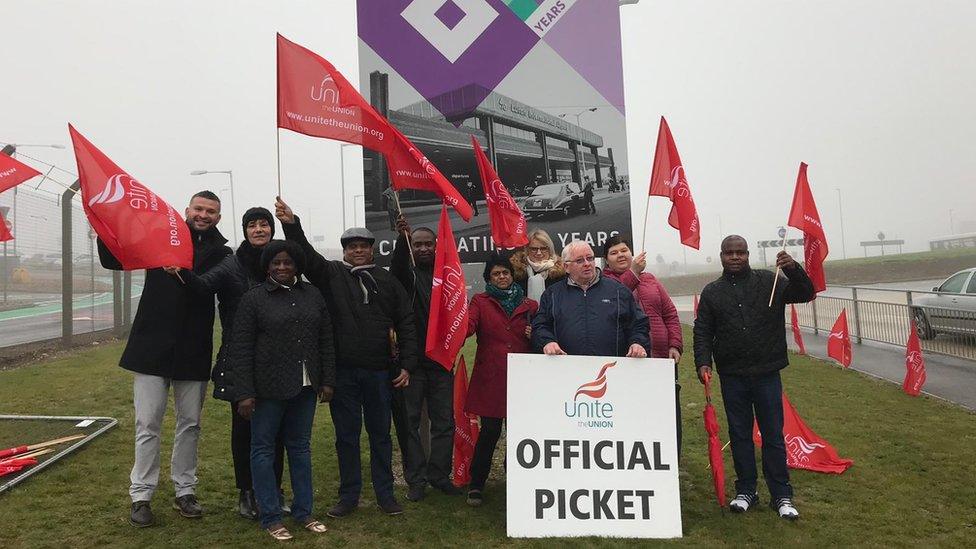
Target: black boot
247,506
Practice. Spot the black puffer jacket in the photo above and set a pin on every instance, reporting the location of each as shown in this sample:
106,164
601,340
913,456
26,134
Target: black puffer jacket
172,333
361,329
230,280
419,284
277,330
738,330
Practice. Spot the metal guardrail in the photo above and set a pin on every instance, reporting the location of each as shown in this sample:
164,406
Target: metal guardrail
883,315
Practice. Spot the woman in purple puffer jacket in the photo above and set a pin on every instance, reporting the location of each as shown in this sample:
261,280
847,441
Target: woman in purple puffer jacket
621,265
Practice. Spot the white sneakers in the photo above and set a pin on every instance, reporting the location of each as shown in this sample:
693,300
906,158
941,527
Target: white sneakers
783,506
742,502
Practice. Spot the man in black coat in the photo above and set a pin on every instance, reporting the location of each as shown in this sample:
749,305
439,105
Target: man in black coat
738,330
367,305
431,384
171,344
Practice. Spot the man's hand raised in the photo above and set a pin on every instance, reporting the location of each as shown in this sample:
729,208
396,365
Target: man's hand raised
283,211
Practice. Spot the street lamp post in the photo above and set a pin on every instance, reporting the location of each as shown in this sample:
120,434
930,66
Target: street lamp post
579,128
342,190
843,239
233,203
952,226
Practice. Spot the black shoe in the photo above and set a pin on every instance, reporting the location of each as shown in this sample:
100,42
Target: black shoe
141,515
475,498
342,509
247,507
285,509
416,492
188,506
391,507
448,489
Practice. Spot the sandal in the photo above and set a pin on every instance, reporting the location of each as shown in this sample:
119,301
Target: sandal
316,527
280,533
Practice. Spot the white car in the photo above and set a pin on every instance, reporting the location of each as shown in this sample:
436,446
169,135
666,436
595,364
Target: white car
951,310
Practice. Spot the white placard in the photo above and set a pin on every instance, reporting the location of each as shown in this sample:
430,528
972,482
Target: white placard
591,454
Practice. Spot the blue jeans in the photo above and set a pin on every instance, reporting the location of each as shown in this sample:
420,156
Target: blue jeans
293,418
763,394
363,395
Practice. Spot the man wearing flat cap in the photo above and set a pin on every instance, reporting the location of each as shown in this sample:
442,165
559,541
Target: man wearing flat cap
365,303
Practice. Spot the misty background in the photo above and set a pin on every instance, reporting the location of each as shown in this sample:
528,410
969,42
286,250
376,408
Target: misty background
874,95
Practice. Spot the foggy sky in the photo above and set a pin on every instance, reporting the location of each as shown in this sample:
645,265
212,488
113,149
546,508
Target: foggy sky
875,95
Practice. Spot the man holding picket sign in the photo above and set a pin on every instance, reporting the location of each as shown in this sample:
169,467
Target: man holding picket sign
171,342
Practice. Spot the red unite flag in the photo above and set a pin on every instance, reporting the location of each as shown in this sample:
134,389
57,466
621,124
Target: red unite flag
914,364
140,229
668,179
448,321
839,341
797,336
14,172
315,99
804,216
5,234
508,227
465,428
804,448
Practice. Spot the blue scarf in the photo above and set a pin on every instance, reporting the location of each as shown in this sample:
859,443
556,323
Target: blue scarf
509,299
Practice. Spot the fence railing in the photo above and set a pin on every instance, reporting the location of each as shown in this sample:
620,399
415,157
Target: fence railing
884,315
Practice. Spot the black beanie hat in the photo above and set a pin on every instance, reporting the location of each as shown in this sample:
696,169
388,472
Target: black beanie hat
275,247
257,213
497,261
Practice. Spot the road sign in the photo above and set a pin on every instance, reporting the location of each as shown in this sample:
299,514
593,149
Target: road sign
779,243
781,232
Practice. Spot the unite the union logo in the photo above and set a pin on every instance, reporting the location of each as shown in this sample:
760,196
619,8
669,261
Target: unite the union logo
113,192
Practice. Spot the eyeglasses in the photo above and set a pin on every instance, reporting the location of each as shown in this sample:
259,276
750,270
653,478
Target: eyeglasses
584,260
538,249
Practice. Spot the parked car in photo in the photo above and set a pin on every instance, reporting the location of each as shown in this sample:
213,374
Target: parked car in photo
950,310
555,198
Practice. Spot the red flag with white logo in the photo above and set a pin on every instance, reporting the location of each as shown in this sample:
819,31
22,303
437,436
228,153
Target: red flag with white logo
804,216
797,336
448,321
316,99
140,229
839,341
5,233
465,428
914,364
668,179
13,172
804,448
508,227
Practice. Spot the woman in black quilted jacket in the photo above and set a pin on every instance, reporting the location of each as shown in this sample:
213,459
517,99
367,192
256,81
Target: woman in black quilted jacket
230,280
283,354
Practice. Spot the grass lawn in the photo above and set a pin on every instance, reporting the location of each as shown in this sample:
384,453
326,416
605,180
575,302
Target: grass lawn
913,482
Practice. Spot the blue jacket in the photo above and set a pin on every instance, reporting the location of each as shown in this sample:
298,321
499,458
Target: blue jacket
603,320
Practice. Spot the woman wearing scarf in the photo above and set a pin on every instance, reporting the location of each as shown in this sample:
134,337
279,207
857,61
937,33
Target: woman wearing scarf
230,280
501,318
283,353
536,266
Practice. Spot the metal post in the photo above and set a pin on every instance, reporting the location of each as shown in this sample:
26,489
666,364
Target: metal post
813,307
857,315
67,274
126,301
908,297
233,207
342,179
6,271
117,302
843,239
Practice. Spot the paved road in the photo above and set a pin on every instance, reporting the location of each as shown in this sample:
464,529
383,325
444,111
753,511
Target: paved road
44,321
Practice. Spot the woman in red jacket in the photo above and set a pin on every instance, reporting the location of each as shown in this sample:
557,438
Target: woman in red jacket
501,317
622,266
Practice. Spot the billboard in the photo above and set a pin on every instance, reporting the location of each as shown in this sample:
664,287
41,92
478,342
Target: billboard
538,82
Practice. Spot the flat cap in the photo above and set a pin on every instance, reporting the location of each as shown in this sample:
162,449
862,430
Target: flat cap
356,233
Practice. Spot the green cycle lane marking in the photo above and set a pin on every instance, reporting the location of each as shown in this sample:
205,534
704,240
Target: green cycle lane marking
79,303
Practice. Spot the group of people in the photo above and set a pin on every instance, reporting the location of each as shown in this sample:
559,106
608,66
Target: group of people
298,329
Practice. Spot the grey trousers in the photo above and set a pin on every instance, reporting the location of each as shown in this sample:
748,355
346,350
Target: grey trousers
150,395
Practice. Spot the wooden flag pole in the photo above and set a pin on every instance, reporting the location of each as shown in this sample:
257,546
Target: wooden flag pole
396,198
278,155
33,454
17,451
776,276
644,230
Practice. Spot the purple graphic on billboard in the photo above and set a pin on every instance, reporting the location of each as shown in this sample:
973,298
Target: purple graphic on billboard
538,82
